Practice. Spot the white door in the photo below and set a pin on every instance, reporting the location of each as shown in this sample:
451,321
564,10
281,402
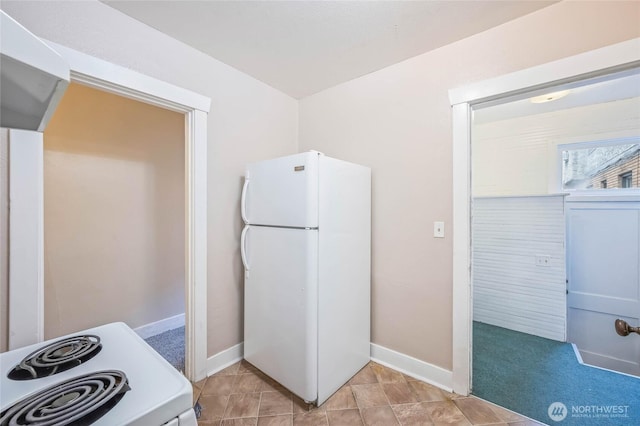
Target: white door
604,281
281,314
282,192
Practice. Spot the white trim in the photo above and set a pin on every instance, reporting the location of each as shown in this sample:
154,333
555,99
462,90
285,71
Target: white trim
462,305
223,359
576,352
593,64
96,73
26,239
196,245
534,196
129,83
157,327
413,367
612,195
406,364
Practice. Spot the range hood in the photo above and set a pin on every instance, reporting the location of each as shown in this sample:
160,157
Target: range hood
34,77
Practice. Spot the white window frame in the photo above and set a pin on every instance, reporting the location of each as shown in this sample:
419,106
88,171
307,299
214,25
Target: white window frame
562,74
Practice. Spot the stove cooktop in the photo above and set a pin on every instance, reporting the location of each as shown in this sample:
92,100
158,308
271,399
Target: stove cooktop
56,357
77,401
144,388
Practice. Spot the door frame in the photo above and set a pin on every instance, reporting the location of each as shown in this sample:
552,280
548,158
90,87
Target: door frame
561,74
102,75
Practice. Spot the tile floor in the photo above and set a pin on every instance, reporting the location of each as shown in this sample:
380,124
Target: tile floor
377,395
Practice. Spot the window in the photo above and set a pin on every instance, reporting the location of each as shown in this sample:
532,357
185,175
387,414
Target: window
599,165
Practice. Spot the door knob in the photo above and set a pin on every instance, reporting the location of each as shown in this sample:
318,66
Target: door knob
623,328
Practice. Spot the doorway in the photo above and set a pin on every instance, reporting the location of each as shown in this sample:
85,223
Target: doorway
99,74
525,164
114,217
535,81
523,177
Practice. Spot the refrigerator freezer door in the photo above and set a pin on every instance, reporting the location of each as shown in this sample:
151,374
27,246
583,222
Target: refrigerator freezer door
281,328
282,192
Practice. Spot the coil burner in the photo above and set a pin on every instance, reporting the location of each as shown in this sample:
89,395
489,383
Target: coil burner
57,357
78,401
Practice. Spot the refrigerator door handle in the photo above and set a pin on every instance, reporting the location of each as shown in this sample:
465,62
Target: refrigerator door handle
243,242
243,201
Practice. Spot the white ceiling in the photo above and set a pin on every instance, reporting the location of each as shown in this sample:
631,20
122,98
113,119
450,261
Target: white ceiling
302,47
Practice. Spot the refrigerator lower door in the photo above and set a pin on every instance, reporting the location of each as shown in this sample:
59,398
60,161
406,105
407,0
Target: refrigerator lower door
281,314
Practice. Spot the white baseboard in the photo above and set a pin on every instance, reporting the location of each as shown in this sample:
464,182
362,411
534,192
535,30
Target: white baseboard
161,326
576,352
406,364
223,359
578,355
413,367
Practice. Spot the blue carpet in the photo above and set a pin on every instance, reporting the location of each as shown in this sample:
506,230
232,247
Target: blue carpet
526,374
170,345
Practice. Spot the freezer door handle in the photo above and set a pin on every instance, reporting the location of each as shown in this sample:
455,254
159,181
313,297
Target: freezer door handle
243,200
243,250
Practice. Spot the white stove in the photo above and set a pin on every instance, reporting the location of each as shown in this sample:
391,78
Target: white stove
102,376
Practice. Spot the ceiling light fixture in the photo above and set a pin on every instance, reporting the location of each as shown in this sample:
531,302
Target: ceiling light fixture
549,97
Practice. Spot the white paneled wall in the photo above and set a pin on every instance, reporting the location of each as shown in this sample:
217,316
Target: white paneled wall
519,264
519,156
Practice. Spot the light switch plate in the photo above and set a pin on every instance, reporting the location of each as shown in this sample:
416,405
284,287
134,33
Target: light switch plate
438,229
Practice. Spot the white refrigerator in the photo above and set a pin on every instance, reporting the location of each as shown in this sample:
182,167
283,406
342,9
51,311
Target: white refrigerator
306,250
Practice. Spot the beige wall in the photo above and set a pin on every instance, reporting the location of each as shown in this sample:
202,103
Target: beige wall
398,122
248,121
113,212
4,240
